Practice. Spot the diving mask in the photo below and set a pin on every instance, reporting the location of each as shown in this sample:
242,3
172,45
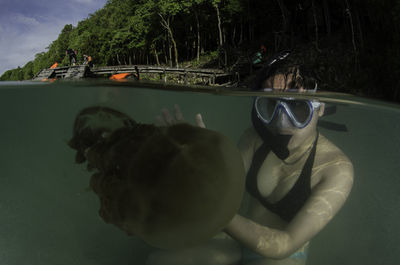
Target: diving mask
300,112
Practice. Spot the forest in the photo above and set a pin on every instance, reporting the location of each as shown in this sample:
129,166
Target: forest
352,45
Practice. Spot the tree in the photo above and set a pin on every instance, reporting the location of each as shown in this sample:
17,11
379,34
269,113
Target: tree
167,10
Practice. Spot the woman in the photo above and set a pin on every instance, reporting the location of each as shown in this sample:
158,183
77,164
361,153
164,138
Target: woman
297,179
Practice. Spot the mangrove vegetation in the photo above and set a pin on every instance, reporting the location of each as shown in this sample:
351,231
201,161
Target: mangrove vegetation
352,45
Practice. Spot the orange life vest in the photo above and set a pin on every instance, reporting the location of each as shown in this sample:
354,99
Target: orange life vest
54,65
119,76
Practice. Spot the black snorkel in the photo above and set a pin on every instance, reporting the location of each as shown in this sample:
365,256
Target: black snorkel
277,142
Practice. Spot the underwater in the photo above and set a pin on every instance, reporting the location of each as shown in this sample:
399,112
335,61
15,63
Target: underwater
50,212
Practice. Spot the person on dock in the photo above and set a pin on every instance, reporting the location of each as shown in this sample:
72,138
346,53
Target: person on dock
297,180
259,56
72,56
136,75
87,60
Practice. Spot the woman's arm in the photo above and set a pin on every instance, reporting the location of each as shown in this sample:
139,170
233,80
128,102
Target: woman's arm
246,146
326,199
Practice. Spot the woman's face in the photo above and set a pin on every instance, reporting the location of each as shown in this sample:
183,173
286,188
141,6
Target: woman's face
282,124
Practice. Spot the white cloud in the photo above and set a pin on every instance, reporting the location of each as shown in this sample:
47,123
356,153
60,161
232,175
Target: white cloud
24,20
20,42
26,32
87,2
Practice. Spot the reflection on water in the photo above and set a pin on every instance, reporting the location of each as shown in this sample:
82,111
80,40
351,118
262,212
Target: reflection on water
49,217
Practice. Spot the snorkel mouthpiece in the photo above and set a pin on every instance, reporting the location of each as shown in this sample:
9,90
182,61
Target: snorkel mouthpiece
277,142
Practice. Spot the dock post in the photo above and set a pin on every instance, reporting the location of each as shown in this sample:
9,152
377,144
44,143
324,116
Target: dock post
185,78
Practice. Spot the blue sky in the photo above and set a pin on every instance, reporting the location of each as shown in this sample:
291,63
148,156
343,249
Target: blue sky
27,27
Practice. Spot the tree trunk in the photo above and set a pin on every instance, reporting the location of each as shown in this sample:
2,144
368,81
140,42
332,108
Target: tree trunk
166,24
118,61
249,19
225,52
165,53
327,18
169,53
221,40
156,55
353,39
165,47
348,12
241,32
175,50
285,23
219,26
360,31
315,23
198,37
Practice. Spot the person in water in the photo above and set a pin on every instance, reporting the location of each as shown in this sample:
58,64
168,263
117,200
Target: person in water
297,180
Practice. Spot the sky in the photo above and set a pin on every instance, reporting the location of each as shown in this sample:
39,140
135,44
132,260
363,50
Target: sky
27,27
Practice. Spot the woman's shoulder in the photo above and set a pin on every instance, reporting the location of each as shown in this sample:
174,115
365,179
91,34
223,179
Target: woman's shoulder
330,157
326,147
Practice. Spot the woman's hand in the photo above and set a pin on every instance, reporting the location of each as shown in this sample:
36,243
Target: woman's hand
167,119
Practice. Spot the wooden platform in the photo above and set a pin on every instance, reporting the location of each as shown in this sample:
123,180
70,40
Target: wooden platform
81,71
45,74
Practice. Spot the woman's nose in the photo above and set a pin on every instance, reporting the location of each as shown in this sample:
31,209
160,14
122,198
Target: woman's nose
282,119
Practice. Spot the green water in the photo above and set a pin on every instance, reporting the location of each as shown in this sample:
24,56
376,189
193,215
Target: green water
47,216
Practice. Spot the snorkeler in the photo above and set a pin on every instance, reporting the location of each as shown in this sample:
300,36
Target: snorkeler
297,180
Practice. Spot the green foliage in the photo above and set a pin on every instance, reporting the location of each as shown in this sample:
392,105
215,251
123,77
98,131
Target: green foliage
13,75
124,31
168,31
6,76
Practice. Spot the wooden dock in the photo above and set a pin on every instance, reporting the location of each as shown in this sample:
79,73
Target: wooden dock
209,76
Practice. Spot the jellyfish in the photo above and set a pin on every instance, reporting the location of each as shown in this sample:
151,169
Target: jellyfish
172,186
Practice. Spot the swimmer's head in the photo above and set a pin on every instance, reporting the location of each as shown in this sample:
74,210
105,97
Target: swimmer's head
282,120
287,114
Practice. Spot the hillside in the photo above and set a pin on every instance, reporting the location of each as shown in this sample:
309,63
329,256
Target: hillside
351,44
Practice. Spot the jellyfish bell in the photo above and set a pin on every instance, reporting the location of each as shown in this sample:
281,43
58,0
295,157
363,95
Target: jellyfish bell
188,184
92,124
172,186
